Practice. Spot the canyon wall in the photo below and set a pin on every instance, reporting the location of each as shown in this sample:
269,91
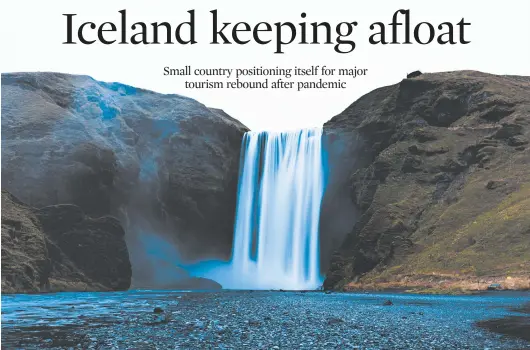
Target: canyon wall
59,248
165,166
427,182
440,183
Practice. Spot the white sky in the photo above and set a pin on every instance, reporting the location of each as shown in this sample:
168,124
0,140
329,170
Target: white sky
33,32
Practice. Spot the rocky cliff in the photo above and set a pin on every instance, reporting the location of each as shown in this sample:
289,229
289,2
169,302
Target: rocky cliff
440,182
165,165
59,248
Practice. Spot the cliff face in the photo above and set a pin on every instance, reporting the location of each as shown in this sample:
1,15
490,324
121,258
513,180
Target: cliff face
441,183
58,248
165,165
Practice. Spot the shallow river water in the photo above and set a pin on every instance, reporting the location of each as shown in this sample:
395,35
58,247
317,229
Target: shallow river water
254,320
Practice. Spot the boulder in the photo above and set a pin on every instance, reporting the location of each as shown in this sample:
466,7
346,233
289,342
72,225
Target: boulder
414,74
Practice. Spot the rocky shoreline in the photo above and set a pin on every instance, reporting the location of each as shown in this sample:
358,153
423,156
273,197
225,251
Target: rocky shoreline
512,326
257,320
444,284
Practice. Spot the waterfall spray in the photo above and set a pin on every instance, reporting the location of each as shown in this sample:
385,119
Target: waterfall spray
279,195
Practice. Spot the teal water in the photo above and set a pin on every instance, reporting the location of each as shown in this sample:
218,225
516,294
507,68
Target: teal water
255,320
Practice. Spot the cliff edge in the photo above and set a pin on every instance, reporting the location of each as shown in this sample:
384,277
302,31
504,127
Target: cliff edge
441,183
165,166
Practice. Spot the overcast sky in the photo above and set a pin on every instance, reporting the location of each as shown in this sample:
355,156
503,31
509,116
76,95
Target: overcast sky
33,32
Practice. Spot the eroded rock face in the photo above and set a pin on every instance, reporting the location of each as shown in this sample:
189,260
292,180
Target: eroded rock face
25,263
165,165
95,246
441,181
59,248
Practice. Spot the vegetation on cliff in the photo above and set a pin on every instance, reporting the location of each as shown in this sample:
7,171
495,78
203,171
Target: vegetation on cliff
443,185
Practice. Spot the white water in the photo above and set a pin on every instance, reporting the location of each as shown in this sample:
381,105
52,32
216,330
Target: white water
279,195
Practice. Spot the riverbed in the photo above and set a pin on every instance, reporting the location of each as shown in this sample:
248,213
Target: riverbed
255,320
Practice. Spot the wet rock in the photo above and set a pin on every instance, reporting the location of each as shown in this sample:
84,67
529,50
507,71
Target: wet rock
158,310
161,318
254,323
334,320
362,323
514,326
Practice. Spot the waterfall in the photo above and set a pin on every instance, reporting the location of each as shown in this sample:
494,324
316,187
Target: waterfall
278,208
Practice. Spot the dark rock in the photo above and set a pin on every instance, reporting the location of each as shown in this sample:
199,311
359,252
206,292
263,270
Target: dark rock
495,286
414,74
160,317
411,164
388,303
493,184
439,139
61,250
254,323
452,166
335,320
513,326
158,310
415,149
497,111
96,246
508,130
517,141
424,135
26,266
165,165
441,178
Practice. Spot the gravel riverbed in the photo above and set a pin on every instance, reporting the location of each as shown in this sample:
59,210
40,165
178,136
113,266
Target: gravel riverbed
255,320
